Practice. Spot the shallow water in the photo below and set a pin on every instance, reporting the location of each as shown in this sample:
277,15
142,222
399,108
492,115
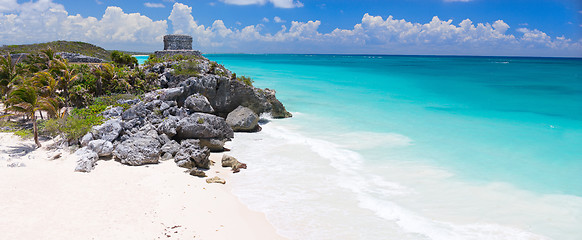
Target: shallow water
406,147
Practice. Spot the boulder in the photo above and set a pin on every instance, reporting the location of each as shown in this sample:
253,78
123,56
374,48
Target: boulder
86,139
171,147
243,119
215,180
225,94
136,111
108,131
233,163
166,94
198,103
203,126
168,126
163,138
138,150
87,159
112,112
166,157
101,147
214,145
193,157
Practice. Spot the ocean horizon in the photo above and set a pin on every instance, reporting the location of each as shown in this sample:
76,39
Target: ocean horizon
415,147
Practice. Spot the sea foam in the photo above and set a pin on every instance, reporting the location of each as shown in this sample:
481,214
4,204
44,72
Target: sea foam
312,189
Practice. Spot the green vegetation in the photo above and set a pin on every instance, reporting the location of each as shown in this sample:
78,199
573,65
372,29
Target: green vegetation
153,59
246,80
59,46
188,68
70,96
122,59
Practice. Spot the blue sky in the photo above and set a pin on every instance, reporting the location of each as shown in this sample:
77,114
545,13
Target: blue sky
450,27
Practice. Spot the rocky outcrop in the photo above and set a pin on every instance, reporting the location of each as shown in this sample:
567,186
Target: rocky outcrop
184,121
243,119
79,58
191,155
112,112
203,126
108,131
171,147
277,110
198,103
102,147
138,150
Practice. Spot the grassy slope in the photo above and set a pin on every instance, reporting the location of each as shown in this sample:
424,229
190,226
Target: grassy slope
60,46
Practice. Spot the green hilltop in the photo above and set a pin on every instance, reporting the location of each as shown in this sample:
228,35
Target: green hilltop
60,46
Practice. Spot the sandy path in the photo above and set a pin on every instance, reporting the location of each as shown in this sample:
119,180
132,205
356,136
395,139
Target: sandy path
47,200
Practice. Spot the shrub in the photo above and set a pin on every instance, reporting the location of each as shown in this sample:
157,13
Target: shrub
24,133
188,68
246,80
123,59
76,125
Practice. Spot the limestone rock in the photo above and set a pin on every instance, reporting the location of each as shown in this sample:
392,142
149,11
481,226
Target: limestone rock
87,159
166,157
215,180
138,150
198,173
277,108
86,139
112,112
101,147
168,126
108,131
225,94
198,103
233,163
171,147
243,119
135,112
215,145
202,125
193,157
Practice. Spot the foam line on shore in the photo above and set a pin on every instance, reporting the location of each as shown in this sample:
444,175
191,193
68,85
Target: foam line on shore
373,192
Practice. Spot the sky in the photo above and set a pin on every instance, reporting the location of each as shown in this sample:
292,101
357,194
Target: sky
551,28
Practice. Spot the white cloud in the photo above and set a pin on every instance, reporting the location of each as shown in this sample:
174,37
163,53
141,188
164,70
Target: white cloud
44,20
265,19
154,5
278,19
276,3
8,5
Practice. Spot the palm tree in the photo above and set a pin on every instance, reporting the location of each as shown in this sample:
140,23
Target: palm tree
67,75
9,73
25,99
47,87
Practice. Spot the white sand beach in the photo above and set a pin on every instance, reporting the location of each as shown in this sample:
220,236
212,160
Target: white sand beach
46,199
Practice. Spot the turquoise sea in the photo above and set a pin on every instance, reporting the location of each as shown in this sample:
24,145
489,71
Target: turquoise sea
415,147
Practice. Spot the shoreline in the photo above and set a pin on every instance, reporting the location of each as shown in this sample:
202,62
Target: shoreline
48,200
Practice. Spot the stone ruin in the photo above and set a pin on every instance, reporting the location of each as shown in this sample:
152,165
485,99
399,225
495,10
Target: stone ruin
177,44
